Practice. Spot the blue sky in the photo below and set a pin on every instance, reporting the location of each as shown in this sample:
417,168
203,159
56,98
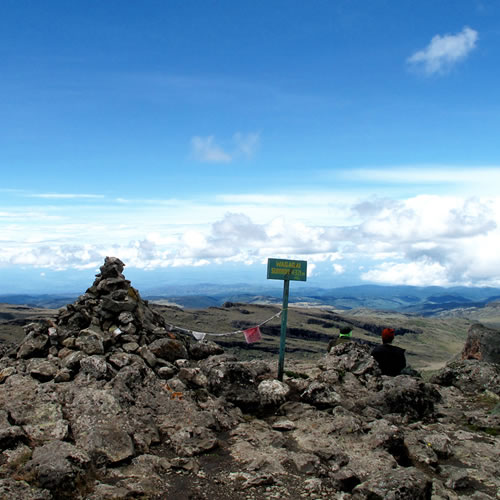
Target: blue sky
196,138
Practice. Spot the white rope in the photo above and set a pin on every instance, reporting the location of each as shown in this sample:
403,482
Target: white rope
225,334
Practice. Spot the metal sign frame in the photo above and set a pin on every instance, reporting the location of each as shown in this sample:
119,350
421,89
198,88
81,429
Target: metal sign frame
286,270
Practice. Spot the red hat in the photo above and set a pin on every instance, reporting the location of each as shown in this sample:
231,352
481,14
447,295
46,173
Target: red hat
387,334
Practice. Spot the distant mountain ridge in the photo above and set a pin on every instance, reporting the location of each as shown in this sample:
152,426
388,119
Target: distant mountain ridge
425,301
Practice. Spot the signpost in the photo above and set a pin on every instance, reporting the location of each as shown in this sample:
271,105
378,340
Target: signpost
287,270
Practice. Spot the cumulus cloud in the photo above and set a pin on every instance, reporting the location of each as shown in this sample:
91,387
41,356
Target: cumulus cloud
424,272
206,150
338,268
443,52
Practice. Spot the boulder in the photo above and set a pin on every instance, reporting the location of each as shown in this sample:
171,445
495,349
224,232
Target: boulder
471,376
34,407
58,466
168,349
235,382
403,395
203,349
42,369
99,425
33,345
401,483
483,344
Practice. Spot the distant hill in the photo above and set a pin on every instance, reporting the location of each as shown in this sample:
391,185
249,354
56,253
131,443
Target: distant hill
426,301
48,301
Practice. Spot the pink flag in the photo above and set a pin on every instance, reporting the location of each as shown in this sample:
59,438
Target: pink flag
252,335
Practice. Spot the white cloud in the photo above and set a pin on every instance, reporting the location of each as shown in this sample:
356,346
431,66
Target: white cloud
418,273
65,196
255,199
338,268
427,174
205,149
427,239
444,51
246,144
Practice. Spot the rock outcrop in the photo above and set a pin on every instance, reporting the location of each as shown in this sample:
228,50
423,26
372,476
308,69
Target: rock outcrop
104,402
483,344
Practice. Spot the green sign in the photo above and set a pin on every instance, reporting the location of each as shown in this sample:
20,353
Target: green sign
282,269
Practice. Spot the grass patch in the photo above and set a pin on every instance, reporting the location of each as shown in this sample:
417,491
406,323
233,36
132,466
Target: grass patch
292,374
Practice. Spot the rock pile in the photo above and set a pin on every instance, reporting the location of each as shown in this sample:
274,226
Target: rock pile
103,331
103,402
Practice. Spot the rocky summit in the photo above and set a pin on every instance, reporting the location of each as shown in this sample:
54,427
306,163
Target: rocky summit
105,402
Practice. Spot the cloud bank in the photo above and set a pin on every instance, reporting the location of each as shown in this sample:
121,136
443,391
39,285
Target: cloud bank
420,240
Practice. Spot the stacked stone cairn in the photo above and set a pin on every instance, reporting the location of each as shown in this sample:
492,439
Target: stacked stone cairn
102,331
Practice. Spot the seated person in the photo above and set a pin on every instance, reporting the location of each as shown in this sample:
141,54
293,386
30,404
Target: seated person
391,359
345,335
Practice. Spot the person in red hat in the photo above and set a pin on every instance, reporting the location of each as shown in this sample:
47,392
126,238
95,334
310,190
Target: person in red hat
390,358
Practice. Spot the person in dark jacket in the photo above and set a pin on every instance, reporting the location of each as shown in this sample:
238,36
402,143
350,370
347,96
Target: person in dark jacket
391,359
345,335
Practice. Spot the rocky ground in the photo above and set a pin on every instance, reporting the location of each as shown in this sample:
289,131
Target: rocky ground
104,402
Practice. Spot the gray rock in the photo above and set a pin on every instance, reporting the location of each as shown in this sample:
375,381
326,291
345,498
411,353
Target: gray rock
401,484
283,425
167,371
95,366
90,342
6,373
234,382
440,443
148,356
470,376
58,466
10,435
34,407
168,349
203,349
63,375
320,395
125,318
129,329
192,440
33,345
272,392
193,377
130,347
72,361
305,463
14,459
13,489
112,268
144,477
404,395
42,369
483,344
118,306
390,438
100,426
121,359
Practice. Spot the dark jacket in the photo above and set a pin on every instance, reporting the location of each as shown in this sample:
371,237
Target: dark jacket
390,358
